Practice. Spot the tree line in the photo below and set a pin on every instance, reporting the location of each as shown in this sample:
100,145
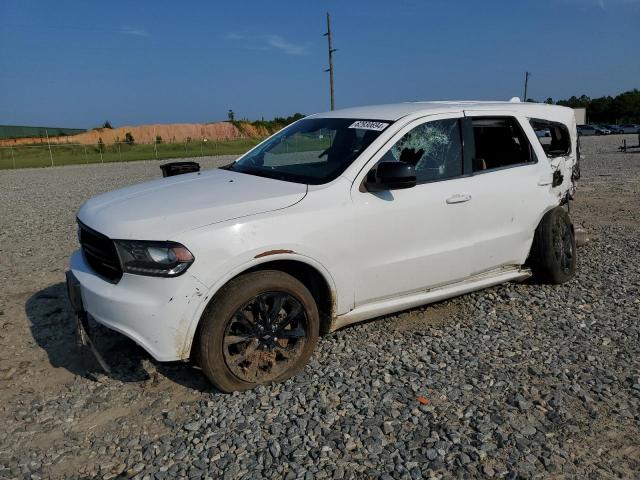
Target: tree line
623,108
271,125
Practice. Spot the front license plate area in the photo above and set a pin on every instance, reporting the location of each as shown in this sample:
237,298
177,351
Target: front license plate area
82,321
73,292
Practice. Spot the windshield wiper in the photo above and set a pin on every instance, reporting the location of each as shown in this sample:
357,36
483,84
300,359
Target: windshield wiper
228,166
264,173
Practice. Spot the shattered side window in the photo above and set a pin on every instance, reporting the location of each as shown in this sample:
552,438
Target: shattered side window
553,137
433,148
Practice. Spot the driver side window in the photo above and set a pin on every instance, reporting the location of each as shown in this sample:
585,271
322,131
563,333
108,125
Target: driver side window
433,148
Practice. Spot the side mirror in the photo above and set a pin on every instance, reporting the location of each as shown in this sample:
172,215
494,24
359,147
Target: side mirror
391,176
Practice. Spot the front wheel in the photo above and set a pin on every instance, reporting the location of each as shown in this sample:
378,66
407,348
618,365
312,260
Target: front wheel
553,252
260,328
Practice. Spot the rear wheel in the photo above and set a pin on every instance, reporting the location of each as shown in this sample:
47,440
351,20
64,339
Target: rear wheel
260,328
553,252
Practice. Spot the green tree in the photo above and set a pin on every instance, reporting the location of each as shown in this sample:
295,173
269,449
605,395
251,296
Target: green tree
576,102
231,115
107,124
600,110
295,117
626,107
278,122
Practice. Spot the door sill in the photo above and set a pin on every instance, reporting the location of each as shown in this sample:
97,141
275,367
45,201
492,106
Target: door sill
423,297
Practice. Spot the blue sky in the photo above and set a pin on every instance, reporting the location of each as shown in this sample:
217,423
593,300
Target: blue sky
78,63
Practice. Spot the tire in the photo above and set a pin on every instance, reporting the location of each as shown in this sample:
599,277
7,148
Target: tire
261,327
553,252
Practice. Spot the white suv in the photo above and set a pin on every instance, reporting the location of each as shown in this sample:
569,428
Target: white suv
340,217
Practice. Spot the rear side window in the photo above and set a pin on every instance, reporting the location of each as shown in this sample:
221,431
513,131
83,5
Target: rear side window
433,148
553,136
500,142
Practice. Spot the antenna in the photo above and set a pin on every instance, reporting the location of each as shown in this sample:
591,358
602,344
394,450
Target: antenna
330,69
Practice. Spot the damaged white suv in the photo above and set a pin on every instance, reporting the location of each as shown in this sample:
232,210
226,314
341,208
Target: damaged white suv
340,217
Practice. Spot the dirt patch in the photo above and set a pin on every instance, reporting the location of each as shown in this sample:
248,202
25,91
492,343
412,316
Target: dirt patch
611,447
170,133
434,315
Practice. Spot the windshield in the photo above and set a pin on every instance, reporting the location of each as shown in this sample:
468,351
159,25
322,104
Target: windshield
313,151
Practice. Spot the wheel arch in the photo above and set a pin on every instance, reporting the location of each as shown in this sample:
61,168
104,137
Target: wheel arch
309,272
550,207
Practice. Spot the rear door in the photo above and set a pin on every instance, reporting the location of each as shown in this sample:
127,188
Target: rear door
509,188
558,150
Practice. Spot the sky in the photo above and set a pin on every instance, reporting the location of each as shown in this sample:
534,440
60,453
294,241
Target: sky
78,63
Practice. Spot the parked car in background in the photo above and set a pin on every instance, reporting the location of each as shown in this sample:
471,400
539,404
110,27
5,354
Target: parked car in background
602,130
630,128
585,130
615,129
340,217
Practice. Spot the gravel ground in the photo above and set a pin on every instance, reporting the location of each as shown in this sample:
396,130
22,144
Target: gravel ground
517,381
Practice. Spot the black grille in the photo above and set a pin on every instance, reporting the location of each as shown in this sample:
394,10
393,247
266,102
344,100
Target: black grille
100,253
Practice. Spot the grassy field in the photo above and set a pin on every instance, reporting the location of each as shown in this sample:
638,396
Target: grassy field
27,156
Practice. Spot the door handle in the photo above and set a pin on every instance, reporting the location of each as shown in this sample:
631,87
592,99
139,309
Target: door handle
458,198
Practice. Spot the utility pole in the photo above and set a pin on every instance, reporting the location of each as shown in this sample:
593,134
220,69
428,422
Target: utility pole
330,69
526,84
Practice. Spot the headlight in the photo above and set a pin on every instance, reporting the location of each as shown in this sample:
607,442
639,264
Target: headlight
156,259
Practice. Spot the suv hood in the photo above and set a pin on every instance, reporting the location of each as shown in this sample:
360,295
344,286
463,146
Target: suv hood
162,209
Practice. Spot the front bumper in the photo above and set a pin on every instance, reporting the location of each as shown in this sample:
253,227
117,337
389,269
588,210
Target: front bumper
157,313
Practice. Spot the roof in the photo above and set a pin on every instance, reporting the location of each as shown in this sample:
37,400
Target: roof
395,111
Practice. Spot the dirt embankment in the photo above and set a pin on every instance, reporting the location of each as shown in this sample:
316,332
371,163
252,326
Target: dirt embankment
172,132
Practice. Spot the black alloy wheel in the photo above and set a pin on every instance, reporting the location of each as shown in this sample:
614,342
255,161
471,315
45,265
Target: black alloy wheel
261,327
265,337
563,244
553,256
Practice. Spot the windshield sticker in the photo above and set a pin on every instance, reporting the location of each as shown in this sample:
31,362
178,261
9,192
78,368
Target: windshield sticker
367,125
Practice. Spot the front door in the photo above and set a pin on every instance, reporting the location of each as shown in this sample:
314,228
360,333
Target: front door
415,238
